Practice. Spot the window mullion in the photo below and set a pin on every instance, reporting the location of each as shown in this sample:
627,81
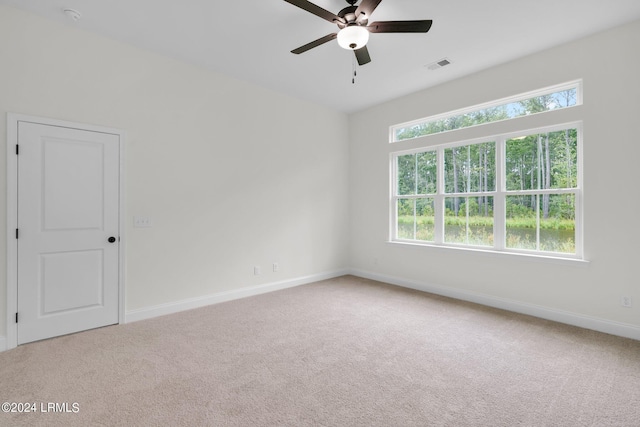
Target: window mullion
538,222
415,192
439,199
415,219
578,227
466,199
393,190
499,201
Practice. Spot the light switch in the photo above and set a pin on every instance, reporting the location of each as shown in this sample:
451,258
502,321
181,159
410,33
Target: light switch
141,221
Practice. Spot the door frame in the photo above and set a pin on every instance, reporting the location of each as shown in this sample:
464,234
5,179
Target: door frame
12,214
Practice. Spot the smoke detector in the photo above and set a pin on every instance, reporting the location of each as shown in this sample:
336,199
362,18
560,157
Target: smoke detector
73,14
439,64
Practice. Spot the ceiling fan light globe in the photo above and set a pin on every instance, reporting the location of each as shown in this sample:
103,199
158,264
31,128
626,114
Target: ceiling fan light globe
353,37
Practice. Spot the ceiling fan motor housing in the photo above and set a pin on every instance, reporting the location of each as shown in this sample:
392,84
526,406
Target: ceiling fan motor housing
349,15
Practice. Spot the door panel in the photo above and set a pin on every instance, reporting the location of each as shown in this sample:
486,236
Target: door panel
71,281
62,188
68,207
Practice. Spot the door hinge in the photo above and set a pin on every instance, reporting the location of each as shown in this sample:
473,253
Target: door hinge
16,317
16,233
17,149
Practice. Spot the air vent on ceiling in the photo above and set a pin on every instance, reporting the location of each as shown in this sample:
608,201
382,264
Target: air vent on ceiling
439,64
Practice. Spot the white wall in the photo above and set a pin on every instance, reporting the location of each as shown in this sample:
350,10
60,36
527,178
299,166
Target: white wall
609,63
232,175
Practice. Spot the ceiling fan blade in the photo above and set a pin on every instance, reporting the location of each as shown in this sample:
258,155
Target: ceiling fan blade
367,7
316,10
400,26
315,43
362,55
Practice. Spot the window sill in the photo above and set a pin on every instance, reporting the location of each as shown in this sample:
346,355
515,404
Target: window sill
574,262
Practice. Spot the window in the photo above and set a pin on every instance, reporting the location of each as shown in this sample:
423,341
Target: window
548,99
510,193
416,185
469,185
541,178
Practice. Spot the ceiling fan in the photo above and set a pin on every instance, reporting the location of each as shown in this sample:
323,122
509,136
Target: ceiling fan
355,28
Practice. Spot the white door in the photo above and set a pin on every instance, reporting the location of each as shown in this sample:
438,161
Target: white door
68,222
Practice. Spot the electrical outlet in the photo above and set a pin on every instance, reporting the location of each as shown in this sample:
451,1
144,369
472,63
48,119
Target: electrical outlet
256,270
625,301
276,267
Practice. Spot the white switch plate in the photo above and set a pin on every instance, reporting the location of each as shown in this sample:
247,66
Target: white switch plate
141,221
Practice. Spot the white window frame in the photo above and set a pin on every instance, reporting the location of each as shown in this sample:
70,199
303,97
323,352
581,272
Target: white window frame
499,194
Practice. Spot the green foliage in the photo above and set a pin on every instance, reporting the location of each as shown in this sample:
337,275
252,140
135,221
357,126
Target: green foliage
482,221
420,220
487,115
470,168
405,207
559,206
556,235
424,207
550,243
542,161
417,173
424,228
421,206
534,105
545,224
519,211
474,221
482,209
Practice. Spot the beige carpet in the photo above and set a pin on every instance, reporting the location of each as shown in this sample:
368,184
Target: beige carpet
342,352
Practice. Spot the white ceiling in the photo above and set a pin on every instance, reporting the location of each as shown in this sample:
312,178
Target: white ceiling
252,39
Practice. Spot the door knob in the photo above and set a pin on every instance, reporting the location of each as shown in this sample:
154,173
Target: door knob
111,239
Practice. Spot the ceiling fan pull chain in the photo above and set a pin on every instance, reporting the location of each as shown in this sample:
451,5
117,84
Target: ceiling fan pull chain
353,65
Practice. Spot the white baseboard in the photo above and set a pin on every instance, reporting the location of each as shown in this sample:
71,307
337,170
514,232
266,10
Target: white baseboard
575,319
587,322
188,304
